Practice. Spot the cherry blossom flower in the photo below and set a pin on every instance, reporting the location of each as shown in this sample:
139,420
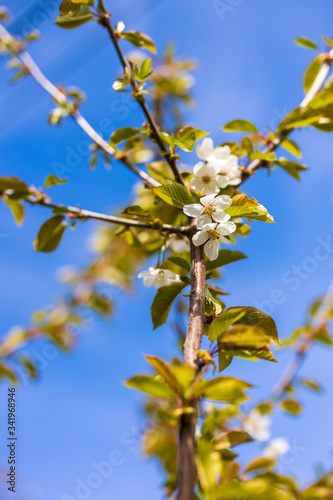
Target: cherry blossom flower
177,244
211,208
207,179
158,277
257,425
211,235
276,448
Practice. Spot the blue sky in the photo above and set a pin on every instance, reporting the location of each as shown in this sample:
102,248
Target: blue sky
79,413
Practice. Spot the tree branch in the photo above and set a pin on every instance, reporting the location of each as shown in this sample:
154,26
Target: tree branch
318,323
80,213
315,88
105,21
186,457
59,97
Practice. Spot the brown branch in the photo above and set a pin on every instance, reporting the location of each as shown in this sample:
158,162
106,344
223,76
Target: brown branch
82,214
61,98
315,88
105,21
186,460
319,322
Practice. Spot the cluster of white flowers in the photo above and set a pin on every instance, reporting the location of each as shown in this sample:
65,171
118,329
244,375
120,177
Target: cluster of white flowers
213,223
219,170
158,277
276,448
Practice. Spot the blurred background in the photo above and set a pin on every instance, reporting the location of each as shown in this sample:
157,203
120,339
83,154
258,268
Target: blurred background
78,413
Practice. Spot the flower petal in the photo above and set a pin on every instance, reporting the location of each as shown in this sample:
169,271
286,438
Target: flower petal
197,184
222,152
212,249
223,201
206,200
205,148
211,188
226,228
203,220
193,210
222,181
220,217
200,238
200,169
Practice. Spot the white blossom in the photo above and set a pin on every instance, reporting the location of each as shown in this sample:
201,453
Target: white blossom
177,244
120,26
207,179
158,277
276,448
211,208
211,235
257,425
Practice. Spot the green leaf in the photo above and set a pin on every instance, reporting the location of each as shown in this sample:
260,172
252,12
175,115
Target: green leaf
323,99
328,41
292,406
260,463
144,72
213,304
231,439
17,209
240,126
224,389
122,134
312,73
242,206
152,385
187,137
174,193
140,40
221,324
53,180
13,183
225,360
255,317
292,147
165,370
73,20
136,210
243,337
163,301
160,171
300,117
311,384
292,167
225,257
182,263
50,234
306,42
259,155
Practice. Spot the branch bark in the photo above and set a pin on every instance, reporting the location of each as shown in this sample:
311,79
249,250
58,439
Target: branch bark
186,458
80,213
60,98
105,21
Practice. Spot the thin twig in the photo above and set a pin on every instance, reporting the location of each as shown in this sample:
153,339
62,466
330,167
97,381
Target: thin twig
315,88
318,323
60,98
82,214
105,21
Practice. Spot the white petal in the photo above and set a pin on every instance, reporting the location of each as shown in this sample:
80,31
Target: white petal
200,238
197,184
209,227
200,169
213,167
235,182
222,152
193,210
149,280
223,201
226,228
211,188
212,249
205,148
203,220
220,217
206,200
222,181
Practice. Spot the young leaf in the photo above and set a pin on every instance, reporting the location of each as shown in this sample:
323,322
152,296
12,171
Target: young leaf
312,73
74,19
152,385
165,370
292,406
187,137
50,234
259,155
255,317
292,167
163,301
221,324
231,439
13,183
260,463
122,134
174,193
225,257
140,40
292,147
53,180
17,209
182,263
300,117
240,126
224,389
242,206
306,42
